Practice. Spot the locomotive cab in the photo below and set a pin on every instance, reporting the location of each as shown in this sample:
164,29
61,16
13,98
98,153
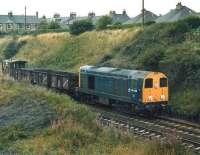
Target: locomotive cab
155,90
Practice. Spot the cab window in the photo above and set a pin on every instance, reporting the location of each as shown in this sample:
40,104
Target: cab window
163,82
149,83
91,82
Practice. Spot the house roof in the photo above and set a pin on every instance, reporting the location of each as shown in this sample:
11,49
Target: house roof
115,17
148,16
180,12
120,18
65,21
18,19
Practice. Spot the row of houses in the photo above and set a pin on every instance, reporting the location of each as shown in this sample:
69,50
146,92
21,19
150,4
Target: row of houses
65,22
180,12
21,22
11,22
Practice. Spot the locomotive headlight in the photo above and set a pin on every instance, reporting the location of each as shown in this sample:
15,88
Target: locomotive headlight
162,97
150,98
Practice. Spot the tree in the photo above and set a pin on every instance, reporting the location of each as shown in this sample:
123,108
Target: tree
43,25
81,26
54,25
193,21
103,22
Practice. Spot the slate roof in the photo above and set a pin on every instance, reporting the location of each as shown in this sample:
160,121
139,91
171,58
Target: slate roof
120,18
176,14
148,16
134,74
66,21
18,19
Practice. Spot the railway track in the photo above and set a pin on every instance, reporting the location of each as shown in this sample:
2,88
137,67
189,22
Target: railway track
164,130
160,128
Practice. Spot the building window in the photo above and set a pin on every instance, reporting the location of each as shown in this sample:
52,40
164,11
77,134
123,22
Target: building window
28,26
21,26
9,26
1,27
149,83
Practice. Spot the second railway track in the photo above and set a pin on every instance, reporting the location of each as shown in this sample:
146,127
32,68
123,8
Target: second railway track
186,134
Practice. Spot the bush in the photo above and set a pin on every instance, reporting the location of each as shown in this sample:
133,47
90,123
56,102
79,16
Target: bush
193,22
151,59
178,29
81,26
12,49
43,25
54,25
103,22
183,67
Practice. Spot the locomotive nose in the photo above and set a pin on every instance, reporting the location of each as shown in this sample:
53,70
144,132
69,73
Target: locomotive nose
155,89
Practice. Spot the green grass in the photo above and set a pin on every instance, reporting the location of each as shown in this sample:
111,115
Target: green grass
159,47
64,52
37,121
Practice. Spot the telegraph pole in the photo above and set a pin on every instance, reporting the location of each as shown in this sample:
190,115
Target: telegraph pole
25,19
143,13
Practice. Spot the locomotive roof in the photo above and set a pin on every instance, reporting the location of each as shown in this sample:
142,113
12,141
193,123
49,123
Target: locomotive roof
134,74
13,61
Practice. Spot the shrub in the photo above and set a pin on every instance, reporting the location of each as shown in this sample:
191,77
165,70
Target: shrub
54,25
43,25
103,22
193,22
183,67
12,49
151,59
81,26
150,23
177,29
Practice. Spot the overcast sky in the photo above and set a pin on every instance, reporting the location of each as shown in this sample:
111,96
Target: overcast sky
82,7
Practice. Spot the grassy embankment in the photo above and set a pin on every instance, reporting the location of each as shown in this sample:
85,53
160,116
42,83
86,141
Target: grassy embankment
34,120
64,52
161,47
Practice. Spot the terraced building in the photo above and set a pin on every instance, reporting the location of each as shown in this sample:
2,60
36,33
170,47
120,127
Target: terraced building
180,12
148,17
12,22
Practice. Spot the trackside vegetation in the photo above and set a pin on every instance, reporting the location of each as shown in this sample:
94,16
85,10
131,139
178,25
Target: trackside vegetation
159,47
37,121
81,26
103,22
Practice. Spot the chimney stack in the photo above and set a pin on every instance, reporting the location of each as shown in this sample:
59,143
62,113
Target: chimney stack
73,15
91,14
112,13
179,6
124,12
10,14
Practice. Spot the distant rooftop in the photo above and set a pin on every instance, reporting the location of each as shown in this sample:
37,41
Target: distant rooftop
119,18
148,17
180,12
11,18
